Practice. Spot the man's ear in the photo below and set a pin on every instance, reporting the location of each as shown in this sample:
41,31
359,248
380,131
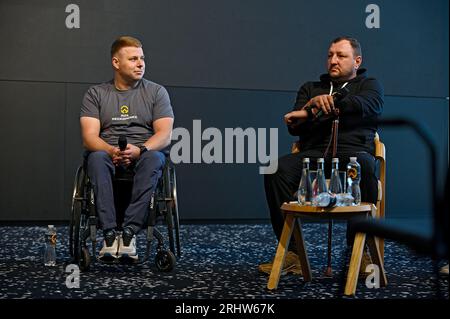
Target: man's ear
358,61
115,62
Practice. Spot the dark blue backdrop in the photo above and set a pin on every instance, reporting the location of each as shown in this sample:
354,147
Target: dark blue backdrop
227,63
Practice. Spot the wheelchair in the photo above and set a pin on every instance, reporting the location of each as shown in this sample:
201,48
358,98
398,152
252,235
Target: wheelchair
163,207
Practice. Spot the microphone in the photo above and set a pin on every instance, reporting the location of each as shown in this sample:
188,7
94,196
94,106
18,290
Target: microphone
122,142
337,96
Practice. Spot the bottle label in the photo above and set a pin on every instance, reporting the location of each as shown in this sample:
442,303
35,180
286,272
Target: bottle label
52,239
352,173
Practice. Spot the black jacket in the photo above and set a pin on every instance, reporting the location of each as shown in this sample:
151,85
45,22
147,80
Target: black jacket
359,111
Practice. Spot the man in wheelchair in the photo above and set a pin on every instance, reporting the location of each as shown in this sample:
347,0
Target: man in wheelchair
135,108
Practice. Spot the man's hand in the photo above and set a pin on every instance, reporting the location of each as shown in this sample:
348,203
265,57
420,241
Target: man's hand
322,102
294,116
127,156
116,156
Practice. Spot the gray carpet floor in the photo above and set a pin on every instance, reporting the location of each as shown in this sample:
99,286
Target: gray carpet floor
219,261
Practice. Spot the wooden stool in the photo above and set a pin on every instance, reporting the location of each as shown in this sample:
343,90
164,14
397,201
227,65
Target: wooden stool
293,211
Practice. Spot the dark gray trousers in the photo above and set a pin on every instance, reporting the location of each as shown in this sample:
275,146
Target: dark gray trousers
147,170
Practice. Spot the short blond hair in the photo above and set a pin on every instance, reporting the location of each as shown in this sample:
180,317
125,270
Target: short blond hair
124,41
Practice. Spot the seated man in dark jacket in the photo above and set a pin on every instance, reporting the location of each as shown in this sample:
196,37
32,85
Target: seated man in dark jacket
312,121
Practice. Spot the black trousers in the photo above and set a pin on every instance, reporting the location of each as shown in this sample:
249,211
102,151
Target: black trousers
281,186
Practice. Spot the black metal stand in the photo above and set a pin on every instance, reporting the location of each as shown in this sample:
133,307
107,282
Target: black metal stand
434,245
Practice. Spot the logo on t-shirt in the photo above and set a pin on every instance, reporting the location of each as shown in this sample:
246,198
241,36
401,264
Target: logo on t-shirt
124,116
124,109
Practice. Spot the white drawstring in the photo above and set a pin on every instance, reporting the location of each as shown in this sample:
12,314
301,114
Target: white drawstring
331,87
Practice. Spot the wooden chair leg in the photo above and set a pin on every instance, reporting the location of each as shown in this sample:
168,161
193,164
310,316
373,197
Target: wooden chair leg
280,255
381,247
301,250
375,253
355,264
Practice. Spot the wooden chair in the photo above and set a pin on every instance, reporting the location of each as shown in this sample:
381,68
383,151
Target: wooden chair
292,225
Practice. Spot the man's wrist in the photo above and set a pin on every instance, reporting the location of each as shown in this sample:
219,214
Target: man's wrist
309,111
111,151
143,149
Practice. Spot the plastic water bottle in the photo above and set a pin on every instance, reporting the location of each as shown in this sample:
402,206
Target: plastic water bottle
329,199
353,179
335,180
50,246
319,184
304,188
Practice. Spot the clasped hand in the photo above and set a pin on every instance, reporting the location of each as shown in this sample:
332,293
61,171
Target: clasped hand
126,157
325,103
321,102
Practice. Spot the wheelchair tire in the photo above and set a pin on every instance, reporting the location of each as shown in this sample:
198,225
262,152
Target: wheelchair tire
77,193
174,208
165,260
85,259
167,195
81,254
74,232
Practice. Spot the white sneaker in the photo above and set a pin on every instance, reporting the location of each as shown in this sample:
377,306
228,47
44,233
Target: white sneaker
127,251
109,252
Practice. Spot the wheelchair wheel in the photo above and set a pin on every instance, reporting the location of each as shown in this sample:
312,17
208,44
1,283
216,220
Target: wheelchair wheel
76,207
165,260
75,232
176,218
172,209
167,196
81,255
85,259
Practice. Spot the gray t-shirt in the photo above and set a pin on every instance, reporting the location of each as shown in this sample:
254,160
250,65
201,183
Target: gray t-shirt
130,112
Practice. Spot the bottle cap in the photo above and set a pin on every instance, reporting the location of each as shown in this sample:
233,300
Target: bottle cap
353,159
306,160
320,160
335,160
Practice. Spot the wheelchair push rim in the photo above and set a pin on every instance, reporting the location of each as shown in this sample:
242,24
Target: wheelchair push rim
76,199
175,210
